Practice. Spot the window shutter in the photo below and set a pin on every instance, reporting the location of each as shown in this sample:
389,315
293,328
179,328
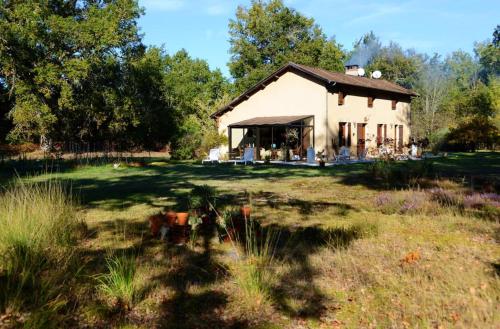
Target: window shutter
394,102
341,98
370,101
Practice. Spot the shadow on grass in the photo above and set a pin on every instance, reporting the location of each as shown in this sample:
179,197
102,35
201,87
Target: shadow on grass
296,294
304,207
111,189
195,303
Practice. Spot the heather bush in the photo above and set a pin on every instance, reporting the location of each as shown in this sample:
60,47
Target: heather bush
445,198
413,202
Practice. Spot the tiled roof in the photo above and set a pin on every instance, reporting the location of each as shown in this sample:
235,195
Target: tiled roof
323,76
356,81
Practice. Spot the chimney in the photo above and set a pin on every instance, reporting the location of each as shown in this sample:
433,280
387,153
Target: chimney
352,69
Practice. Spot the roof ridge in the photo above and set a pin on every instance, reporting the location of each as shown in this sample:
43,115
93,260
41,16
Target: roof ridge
350,76
323,75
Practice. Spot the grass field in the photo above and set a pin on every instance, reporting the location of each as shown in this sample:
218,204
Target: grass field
355,246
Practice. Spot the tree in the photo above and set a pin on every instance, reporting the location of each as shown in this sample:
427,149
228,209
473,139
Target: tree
489,56
62,62
5,106
474,133
193,91
396,65
461,67
150,120
429,115
268,34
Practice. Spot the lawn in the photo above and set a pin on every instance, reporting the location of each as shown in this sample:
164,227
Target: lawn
355,246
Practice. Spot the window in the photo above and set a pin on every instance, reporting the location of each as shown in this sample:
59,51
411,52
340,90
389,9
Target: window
341,98
394,102
370,101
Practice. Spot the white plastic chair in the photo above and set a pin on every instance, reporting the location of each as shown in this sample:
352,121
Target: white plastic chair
311,155
213,156
362,156
344,154
247,156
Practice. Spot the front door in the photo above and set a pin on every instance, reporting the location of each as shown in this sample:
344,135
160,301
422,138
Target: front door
342,140
379,135
361,138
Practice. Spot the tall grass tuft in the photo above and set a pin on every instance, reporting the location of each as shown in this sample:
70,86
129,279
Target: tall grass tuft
39,227
254,269
119,283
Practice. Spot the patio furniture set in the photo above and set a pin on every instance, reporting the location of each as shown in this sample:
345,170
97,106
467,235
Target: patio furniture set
342,157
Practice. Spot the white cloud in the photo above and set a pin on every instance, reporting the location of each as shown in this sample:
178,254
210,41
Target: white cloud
377,12
163,5
217,9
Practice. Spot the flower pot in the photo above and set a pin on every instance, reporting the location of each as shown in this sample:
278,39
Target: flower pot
245,211
180,234
171,217
182,218
155,224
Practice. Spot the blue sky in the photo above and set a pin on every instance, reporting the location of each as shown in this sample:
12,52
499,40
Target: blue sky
201,26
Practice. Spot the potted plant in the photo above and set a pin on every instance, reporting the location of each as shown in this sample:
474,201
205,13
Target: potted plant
182,218
155,224
183,211
227,226
321,156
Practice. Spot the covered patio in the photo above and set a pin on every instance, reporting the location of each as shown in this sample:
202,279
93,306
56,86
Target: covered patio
284,138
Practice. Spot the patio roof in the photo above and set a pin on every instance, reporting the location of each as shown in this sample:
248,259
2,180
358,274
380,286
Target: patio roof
270,121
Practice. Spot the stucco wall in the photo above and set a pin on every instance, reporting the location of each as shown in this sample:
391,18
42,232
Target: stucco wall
292,94
356,110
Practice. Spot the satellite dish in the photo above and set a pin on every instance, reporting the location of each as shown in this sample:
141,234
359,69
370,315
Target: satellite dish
361,71
377,74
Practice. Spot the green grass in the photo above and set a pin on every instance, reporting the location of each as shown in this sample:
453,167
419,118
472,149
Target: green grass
339,260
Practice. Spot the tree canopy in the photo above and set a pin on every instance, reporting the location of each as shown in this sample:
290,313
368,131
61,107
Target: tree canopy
77,71
269,34
61,61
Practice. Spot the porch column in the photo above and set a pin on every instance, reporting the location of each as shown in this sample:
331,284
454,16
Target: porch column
257,143
230,141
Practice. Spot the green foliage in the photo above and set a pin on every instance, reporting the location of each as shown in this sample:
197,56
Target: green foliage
268,34
62,62
146,112
212,139
194,91
489,56
472,134
396,174
429,111
397,65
